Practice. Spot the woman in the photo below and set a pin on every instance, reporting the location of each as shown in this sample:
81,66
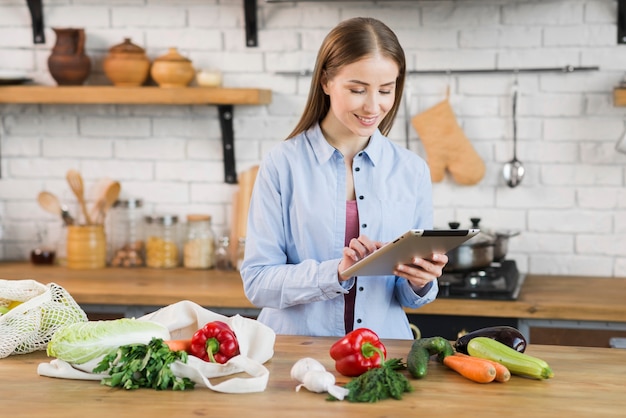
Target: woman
334,192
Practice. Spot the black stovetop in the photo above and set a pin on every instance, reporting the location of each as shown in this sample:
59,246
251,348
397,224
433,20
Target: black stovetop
499,281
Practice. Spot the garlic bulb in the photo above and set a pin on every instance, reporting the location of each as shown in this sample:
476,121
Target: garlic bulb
313,376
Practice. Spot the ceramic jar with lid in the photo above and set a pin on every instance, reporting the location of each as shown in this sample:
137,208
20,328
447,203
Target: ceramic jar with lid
172,70
127,64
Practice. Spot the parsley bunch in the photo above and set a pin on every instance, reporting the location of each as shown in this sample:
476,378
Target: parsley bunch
379,383
136,366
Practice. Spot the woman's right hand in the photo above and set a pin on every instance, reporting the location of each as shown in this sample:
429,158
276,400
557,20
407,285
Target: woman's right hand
357,249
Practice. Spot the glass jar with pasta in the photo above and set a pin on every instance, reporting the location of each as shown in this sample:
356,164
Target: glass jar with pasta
162,241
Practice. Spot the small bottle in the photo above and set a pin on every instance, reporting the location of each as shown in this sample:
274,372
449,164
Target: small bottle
222,255
162,241
241,250
199,248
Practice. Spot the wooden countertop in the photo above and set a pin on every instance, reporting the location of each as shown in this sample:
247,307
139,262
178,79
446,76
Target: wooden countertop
541,297
588,382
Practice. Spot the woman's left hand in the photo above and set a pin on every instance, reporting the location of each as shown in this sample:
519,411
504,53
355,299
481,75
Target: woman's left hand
423,270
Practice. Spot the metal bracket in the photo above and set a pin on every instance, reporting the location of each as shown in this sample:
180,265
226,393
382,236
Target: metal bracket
250,12
621,21
228,142
36,15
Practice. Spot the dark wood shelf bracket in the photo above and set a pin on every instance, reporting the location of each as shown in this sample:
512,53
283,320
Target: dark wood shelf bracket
228,142
36,15
621,21
250,12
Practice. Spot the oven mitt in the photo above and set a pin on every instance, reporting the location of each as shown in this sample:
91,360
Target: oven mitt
446,145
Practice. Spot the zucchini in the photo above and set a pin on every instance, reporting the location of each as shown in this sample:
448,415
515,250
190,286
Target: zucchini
505,334
518,363
422,349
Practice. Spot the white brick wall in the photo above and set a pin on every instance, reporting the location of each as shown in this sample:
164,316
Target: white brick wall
571,206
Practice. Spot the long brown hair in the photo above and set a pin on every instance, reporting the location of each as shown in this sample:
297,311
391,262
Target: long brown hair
350,41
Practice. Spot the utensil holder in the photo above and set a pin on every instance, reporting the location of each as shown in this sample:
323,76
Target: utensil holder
86,247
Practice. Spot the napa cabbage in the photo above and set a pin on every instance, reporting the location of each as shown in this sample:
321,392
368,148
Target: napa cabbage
81,342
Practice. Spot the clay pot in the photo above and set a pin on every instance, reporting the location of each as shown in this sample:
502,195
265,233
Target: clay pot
68,64
127,64
172,70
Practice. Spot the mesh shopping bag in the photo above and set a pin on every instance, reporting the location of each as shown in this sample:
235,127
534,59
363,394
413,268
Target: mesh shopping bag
37,311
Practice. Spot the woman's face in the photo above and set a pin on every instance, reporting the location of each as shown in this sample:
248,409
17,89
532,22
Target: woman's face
361,94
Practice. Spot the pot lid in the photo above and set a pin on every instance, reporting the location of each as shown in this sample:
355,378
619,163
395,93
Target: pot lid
172,56
483,238
127,47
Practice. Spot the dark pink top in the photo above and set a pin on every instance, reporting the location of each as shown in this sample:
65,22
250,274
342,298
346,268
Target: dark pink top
352,231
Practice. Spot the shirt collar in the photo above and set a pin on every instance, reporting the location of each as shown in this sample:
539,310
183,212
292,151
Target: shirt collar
323,150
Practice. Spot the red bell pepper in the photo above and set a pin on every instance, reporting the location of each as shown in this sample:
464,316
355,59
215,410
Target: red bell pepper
215,342
358,352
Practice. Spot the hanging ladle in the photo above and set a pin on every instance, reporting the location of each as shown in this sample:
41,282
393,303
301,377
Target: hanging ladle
513,171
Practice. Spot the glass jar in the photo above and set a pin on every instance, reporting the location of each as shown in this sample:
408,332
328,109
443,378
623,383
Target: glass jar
199,248
222,254
162,240
126,242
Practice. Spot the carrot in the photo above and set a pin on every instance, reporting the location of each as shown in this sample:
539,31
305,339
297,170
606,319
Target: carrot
472,368
178,345
502,372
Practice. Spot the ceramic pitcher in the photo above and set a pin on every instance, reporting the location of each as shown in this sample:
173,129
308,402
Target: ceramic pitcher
68,63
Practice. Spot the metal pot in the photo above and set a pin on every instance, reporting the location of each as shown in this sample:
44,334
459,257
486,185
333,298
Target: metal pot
473,254
500,239
501,244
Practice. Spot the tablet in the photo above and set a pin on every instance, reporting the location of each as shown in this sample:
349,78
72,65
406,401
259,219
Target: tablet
413,243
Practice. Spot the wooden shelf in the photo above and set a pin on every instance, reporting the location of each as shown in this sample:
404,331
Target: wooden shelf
133,95
223,98
619,96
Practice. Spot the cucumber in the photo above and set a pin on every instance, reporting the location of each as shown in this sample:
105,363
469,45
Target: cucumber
417,361
518,363
422,349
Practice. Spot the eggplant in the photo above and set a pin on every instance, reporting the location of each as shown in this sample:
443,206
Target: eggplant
507,335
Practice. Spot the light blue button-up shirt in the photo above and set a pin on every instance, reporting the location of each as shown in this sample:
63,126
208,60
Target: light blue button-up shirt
296,228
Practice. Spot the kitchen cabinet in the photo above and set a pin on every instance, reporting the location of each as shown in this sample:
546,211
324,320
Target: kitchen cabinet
223,98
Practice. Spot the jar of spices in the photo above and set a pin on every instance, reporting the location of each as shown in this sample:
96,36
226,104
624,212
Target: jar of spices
162,241
126,244
199,248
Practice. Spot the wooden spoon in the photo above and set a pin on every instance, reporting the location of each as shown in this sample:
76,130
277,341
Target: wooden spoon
75,180
51,203
108,198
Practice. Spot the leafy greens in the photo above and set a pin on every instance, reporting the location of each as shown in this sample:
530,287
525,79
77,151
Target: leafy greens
81,342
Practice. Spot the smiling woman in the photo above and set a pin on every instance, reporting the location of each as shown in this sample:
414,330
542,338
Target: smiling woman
321,199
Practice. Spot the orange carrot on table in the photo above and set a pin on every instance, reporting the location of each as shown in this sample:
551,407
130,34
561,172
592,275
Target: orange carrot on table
178,345
502,373
472,368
